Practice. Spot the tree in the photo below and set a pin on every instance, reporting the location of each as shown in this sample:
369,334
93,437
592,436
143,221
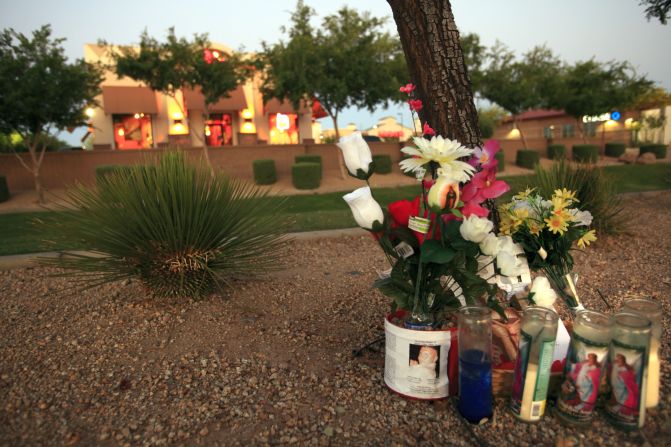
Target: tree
41,92
658,9
488,119
474,57
347,62
178,63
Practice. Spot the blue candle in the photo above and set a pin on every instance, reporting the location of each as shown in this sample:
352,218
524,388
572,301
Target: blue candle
475,385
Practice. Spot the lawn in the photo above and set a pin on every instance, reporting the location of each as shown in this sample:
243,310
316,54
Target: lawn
18,233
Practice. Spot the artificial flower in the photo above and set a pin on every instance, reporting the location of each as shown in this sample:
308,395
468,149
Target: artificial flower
581,218
485,156
587,238
407,88
490,245
508,263
535,227
357,155
441,150
559,203
366,211
475,229
474,209
444,194
507,244
565,194
542,292
522,195
402,210
557,224
415,104
484,185
427,130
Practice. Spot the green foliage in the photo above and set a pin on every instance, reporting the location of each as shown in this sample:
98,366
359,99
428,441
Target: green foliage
556,151
488,119
264,172
657,9
11,143
180,231
500,157
308,159
306,175
585,153
596,191
658,149
4,189
122,170
382,164
474,58
614,149
527,158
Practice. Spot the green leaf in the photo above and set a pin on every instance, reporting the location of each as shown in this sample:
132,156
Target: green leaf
433,251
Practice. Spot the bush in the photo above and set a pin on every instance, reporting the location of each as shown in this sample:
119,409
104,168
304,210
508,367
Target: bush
4,189
527,158
658,149
180,231
382,164
264,172
306,175
586,153
501,158
593,187
614,149
556,151
122,170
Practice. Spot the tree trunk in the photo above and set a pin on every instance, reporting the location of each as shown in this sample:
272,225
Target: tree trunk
38,186
519,129
341,160
436,63
206,151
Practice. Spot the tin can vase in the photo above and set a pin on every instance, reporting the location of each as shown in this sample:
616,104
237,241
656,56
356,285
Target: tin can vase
475,363
652,310
585,365
534,363
627,359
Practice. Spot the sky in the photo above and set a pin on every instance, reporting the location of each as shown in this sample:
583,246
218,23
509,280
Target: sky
574,29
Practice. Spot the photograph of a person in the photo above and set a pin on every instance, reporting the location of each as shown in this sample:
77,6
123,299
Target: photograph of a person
424,361
581,385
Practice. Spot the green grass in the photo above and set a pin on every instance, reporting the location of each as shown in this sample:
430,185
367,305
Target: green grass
314,211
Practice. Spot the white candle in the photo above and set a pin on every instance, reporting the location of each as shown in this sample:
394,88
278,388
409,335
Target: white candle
652,390
528,394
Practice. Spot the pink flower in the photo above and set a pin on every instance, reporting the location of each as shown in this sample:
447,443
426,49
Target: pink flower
473,208
415,104
408,88
484,185
485,156
428,130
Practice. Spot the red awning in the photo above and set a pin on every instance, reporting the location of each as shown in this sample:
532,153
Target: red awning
195,101
129,100
317,110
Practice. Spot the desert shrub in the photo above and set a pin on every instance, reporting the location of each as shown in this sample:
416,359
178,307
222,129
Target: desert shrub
658,149
614,149
585,153
105,170
556,151
4,189
180,231
593,187
306,175
382,164
501,158
527,158
264,172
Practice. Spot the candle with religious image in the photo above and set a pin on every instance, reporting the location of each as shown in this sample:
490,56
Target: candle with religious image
585,364
652,310
533,364
626,375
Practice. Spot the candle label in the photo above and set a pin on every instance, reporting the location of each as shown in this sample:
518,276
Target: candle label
626,373
419,224
531,379
582,375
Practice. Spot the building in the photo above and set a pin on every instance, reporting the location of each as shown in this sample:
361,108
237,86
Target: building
132,116
388,128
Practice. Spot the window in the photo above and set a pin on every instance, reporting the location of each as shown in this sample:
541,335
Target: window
548,132
283,128
590,129
133,131
568,131
219,130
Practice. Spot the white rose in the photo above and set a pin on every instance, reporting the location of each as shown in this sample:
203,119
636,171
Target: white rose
506,244
475,228
490,245
356,153
583,218
508,264
544,294
364,208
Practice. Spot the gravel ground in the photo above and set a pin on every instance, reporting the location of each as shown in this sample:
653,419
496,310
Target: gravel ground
271,362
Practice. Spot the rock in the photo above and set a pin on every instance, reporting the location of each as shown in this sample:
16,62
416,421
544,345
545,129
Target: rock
204,432
628,157
328,431
647,159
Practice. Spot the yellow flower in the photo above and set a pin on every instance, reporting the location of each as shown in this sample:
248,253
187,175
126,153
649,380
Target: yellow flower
586,238
506,225
565,194
558,204
556,224
535,227
524,194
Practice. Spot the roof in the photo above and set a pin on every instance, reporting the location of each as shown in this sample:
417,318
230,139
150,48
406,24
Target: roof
128,100
534,115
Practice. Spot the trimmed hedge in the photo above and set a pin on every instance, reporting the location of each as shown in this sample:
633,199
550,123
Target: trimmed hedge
310,159
306,175
382,164
264,172
658,149
585,153
527,158
614,149
500,157
556,151
4,189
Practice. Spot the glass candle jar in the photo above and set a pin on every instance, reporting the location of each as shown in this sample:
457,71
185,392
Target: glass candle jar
585,364
533,363
475,363
652,310
627,358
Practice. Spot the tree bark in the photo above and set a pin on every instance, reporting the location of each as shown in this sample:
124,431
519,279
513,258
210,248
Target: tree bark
430,40
519,129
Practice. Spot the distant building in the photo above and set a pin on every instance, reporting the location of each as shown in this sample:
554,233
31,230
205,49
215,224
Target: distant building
388,128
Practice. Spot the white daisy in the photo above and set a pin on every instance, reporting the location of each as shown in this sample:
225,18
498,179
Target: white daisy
444,152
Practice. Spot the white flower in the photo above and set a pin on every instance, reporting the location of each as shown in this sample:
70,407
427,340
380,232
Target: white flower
490,245
582,218
365,209
506,244
508,263
475,228
356,153
544,294
444,152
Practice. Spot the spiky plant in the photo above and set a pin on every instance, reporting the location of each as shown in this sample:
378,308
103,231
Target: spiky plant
594,188
180,231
